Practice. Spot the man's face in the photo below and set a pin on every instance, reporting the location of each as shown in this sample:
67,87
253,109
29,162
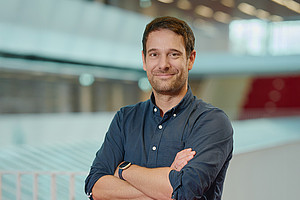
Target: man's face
166,62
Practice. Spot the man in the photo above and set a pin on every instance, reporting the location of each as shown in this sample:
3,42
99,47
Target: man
172,146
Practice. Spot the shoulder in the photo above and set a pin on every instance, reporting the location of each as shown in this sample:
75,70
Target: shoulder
210,124
206,109
210,115
129,114
134,109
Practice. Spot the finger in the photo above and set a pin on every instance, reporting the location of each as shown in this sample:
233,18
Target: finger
181,163
184,153
185,150
182,158
185,161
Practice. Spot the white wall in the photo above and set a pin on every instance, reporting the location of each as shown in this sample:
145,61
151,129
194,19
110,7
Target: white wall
271,173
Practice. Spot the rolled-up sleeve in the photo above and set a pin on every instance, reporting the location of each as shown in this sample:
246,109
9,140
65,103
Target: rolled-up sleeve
212,139
108,156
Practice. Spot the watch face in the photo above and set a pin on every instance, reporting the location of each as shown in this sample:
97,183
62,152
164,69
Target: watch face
125,165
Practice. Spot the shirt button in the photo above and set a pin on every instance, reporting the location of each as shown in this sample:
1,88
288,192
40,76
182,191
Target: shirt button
174,115
160,126
154,148
155,109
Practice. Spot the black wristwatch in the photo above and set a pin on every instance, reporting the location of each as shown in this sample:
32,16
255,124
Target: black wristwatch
123,166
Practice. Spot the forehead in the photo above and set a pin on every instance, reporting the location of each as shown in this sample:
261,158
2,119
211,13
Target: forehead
165,38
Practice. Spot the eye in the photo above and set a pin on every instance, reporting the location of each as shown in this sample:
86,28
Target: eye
153,54
174,54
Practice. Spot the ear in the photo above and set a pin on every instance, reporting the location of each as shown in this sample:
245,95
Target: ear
191,60
144,60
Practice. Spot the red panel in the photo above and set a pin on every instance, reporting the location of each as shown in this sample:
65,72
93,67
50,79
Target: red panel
272,97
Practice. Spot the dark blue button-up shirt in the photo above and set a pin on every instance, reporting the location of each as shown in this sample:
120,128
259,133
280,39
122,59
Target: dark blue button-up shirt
140,135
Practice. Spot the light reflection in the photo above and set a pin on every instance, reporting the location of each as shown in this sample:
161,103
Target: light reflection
228,3
247,8
262,14
290,4
166,1
222,17
204,11
184,4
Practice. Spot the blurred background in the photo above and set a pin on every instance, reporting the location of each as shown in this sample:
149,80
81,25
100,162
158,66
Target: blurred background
66,66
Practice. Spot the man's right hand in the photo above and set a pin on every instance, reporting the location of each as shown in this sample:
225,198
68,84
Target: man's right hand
182,158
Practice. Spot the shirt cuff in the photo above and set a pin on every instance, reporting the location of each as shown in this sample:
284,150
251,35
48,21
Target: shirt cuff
175,180
90,182
90,196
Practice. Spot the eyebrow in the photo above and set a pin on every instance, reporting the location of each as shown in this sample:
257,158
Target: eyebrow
150,50
154,49
180,52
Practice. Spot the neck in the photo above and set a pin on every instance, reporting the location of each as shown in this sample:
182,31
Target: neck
167,101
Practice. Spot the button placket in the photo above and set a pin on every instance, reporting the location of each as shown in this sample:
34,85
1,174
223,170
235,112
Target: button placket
154,146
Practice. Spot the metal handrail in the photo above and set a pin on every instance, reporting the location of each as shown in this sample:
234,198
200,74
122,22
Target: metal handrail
35,175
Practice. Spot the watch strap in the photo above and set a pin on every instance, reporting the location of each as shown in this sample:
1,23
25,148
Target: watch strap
123,166
120,174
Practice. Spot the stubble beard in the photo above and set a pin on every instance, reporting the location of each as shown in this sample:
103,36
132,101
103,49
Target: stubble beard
169,86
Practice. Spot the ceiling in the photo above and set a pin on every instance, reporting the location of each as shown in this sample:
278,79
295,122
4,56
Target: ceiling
215,11
103,37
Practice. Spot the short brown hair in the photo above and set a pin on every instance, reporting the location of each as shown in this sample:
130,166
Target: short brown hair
176,25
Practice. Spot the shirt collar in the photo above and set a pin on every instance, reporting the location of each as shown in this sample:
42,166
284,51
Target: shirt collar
185,101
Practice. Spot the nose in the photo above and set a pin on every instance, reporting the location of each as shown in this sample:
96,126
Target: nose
163,62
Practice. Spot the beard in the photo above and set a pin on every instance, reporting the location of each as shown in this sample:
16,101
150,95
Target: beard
170,86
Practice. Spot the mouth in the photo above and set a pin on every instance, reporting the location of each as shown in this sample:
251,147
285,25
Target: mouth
164,75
